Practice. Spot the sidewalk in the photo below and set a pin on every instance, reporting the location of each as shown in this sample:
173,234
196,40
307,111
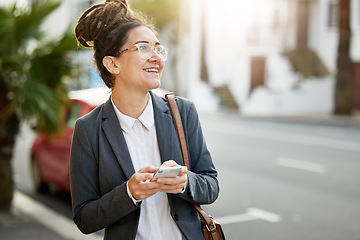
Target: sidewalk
21,226
32,220
324,120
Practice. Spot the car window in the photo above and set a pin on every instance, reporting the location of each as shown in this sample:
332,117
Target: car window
73,114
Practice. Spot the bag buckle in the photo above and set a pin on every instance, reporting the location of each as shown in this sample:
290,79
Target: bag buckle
212,226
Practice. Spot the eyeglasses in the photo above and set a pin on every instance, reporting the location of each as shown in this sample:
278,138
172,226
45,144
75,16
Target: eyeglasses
146,50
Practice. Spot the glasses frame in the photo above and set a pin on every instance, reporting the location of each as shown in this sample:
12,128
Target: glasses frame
136,45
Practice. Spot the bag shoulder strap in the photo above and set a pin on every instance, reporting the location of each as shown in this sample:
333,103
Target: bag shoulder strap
179,127
181,136
213,230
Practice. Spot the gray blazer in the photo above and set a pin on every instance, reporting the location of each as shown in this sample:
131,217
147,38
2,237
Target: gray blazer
100,166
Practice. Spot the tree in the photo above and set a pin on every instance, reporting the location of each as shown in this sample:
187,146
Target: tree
343,91
165,13
32,87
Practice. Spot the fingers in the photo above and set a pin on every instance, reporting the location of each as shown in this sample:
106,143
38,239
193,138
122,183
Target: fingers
140,188
172,163
183,171
169,163
143,177
148,169
144,174
172,185
180,179
178,188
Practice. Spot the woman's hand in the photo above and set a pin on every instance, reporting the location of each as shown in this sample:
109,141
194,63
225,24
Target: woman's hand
176,184
140,188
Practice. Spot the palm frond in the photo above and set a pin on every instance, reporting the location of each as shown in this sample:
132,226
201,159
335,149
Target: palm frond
28,24
34,78
51,61
40,102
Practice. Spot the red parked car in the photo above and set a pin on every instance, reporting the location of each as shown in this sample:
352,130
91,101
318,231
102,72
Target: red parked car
50,154
50,158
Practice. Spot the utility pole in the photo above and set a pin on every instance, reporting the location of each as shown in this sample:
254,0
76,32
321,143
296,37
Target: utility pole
204,75
344,90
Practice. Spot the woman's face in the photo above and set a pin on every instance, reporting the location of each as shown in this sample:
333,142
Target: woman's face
136,73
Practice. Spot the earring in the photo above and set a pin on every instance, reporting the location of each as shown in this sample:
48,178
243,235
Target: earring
116,71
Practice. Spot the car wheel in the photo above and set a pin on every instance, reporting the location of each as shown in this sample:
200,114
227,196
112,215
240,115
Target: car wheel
39,184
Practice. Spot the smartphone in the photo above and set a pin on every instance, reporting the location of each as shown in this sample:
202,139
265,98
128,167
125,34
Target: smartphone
166,172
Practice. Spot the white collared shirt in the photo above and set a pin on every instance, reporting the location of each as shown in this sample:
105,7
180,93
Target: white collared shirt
141,139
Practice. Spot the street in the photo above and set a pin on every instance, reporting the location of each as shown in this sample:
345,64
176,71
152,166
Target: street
285,181
277,180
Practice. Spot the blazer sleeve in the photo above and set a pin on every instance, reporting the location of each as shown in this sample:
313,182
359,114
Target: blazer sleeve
92,209
203,186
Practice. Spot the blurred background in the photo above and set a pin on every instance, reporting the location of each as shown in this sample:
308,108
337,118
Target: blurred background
276,84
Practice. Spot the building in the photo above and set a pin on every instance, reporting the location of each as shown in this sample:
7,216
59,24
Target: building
261,57
274,57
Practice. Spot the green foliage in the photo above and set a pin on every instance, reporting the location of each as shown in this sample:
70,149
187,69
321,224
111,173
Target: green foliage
165,13
32,70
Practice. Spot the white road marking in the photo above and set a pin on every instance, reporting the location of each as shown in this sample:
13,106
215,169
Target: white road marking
264,215
49,218
235,219
299,164
251,214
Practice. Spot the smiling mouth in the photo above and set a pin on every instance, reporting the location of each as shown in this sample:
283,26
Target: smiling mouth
152,70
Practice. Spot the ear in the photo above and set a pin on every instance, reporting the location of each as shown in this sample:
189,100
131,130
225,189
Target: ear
110,64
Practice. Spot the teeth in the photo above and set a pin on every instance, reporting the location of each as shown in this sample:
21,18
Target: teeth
152,70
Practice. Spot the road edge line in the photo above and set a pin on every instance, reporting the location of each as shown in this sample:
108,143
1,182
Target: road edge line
49,218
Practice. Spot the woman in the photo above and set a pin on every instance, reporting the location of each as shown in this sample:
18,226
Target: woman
119,145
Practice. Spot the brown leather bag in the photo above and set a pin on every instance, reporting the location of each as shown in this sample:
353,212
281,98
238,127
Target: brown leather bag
211,229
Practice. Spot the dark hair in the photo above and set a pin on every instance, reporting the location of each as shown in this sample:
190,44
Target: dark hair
106,25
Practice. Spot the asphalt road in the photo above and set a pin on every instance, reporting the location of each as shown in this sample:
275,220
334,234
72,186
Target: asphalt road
285,181
278,181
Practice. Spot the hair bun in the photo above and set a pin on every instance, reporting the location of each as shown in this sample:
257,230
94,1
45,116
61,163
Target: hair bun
98,18
120,1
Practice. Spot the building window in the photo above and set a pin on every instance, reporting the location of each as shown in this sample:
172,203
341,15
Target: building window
333,14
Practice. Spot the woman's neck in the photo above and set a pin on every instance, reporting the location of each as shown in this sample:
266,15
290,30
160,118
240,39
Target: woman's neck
130,103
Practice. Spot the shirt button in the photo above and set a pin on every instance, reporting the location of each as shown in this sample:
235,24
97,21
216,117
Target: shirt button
176,217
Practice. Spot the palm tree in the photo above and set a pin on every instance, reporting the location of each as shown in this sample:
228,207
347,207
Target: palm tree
32,87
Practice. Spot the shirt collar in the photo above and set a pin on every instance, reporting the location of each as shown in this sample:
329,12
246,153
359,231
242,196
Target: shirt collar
146,118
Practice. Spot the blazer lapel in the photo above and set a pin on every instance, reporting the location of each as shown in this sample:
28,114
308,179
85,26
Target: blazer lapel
164,127
115,136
